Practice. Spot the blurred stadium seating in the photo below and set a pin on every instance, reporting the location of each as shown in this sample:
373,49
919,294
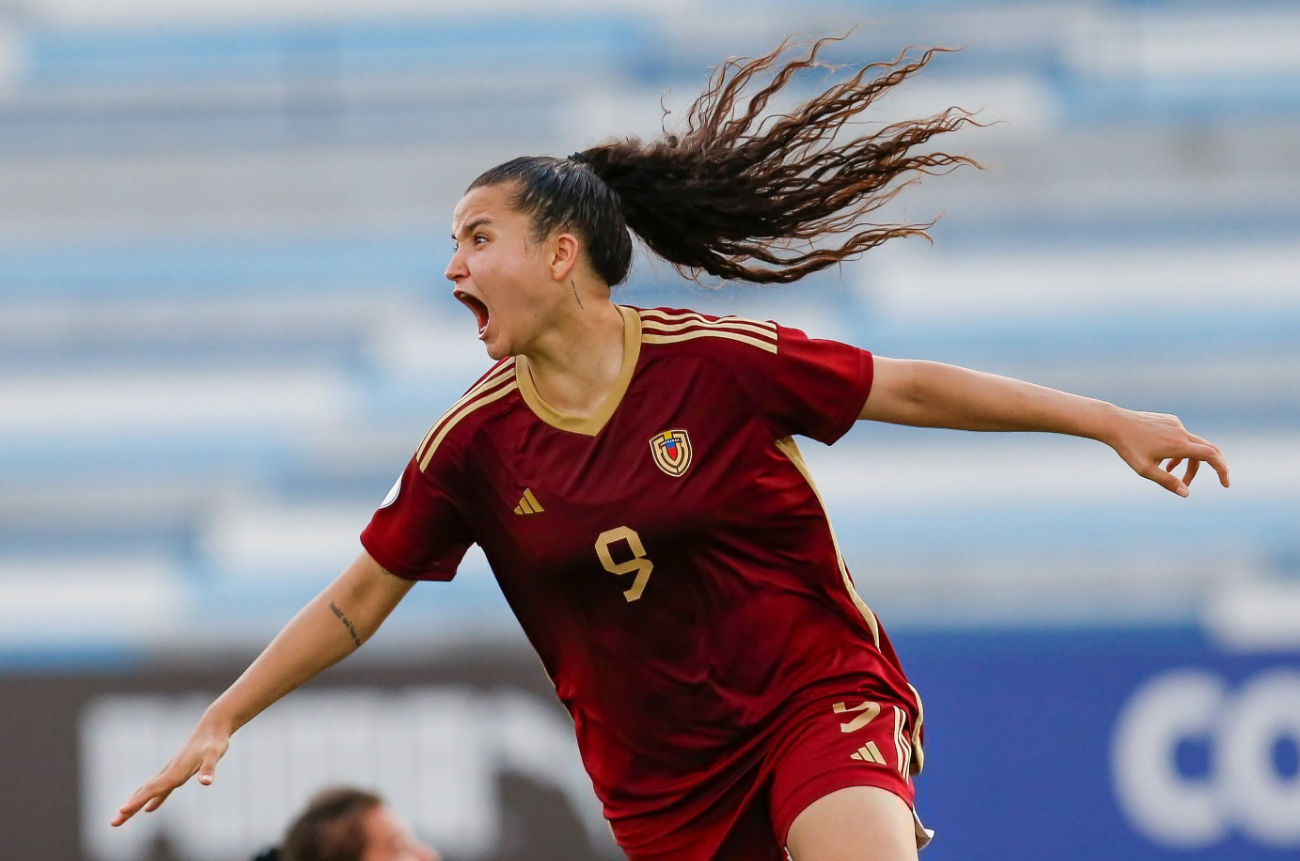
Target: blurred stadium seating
224,322
224,325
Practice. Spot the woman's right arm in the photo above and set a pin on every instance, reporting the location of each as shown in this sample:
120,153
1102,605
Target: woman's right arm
333,625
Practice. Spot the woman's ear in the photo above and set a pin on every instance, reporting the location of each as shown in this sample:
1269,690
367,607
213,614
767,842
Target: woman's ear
563,255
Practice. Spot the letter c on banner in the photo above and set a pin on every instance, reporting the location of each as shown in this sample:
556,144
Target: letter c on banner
1163,804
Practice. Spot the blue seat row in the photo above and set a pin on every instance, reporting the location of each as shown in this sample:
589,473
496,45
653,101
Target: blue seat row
959,531
450,45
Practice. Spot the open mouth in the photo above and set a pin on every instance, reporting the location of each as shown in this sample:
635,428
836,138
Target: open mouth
477,306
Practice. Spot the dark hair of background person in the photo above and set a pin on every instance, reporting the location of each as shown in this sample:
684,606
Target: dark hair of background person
330,829
723,195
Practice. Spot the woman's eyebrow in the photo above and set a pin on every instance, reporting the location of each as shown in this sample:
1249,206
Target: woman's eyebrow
478,222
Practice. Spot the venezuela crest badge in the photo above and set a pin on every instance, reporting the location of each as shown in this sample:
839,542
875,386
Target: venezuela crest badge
672,451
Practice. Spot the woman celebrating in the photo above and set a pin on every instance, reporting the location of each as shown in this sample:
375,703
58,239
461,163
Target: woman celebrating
632,477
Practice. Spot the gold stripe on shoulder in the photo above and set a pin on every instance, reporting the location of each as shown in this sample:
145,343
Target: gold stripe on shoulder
747,328
482,401
665,321
491,379
790,449
708,333
682,315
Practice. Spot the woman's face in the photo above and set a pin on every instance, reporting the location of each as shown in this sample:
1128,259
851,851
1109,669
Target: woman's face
388,838
500,274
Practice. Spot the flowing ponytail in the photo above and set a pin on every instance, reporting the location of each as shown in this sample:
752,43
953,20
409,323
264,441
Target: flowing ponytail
727,193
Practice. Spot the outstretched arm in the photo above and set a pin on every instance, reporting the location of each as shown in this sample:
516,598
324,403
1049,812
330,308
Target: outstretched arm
330,627
933,394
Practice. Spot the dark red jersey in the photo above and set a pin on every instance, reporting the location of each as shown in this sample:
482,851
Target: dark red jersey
669,557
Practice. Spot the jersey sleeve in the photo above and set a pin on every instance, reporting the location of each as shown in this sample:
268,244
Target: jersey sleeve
419,531
808,386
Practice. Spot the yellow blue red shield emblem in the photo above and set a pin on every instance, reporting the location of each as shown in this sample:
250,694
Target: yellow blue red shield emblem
672,451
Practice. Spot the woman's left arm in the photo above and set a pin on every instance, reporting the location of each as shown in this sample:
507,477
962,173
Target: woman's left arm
932,394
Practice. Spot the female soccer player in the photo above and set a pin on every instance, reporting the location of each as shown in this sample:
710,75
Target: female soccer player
632,477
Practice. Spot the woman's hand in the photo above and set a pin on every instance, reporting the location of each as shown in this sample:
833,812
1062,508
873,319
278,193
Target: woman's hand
1145,440
206,745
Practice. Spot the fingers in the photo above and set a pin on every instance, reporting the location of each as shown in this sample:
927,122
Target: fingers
1195,453
157,801
199,755
1223,472
133,805
150,796
1221,467
1184,446
1192,466
1210,454
1167,480
208,770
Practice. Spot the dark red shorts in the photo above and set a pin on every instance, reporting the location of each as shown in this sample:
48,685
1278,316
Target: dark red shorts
829,744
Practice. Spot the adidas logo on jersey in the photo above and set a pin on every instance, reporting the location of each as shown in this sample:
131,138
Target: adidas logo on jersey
868,753
529,504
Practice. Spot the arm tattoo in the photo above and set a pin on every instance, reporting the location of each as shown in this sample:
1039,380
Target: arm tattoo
347,622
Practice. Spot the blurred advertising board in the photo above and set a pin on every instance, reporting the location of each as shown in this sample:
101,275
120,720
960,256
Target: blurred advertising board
471,747
1107,744
1082,744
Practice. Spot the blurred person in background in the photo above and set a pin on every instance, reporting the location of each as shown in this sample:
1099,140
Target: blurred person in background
347,824
734,698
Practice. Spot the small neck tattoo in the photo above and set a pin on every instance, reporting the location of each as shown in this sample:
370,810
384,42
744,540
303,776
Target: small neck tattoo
575,293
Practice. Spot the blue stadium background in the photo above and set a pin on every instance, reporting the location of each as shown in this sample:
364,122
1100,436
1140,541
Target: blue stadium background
224,326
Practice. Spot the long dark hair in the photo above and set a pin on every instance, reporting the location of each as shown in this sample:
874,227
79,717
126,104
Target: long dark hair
722,195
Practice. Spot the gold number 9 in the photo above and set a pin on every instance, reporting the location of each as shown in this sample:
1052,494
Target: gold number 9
638,563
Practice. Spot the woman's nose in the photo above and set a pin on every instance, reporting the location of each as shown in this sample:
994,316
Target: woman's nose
454,270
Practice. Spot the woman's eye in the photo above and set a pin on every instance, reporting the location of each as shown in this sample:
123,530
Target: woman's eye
455,246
